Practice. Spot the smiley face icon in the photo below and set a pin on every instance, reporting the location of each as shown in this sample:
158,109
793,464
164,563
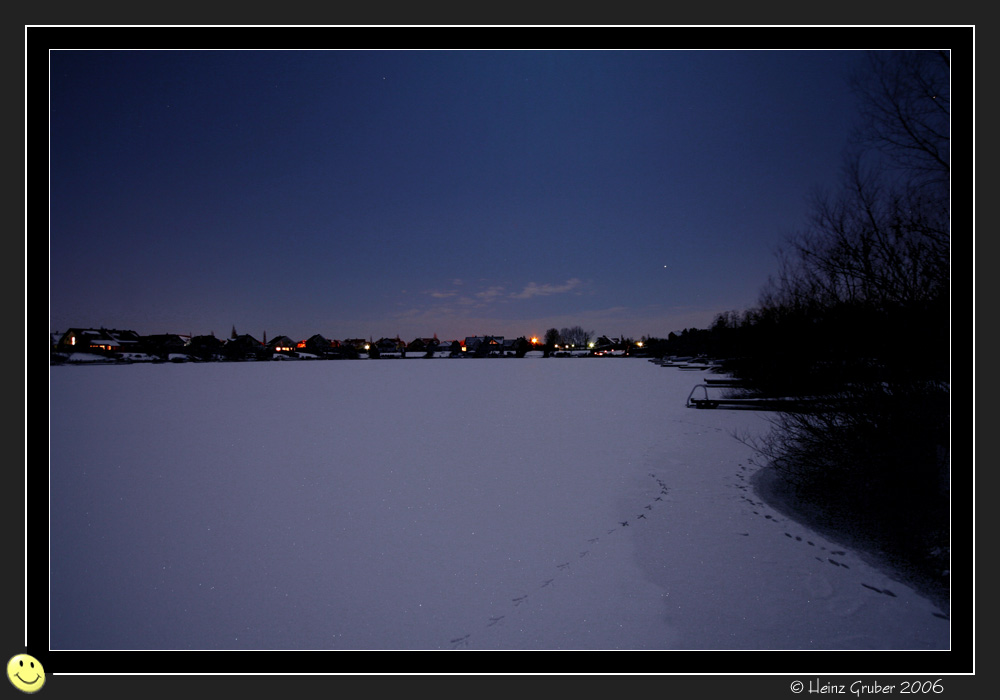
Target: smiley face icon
26,673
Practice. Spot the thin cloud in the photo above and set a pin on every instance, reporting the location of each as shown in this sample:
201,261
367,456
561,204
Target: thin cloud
533,289
494,294
489,294
446,293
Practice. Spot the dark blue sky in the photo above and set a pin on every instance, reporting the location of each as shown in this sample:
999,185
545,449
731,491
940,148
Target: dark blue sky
375,193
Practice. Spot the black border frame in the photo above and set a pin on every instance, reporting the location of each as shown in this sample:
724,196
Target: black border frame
712,668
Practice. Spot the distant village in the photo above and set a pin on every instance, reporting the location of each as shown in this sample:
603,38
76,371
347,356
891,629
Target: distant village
108,346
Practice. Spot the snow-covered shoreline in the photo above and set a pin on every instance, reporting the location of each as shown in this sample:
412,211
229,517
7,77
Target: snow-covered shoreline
778,495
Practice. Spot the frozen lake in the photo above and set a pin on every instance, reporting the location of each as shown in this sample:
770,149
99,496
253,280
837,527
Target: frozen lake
434,504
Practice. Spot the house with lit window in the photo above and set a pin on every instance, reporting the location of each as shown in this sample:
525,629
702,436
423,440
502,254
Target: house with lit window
329,349
483,346
102,341
359,344
282,344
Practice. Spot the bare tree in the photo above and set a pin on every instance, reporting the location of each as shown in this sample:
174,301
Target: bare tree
883,239
576,336
905,100
858,316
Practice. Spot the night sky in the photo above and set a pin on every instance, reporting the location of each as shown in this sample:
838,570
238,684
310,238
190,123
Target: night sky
450,192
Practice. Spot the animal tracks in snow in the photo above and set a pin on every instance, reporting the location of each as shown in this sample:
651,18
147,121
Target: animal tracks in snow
827,556
839,563
462,642
885,591
459,642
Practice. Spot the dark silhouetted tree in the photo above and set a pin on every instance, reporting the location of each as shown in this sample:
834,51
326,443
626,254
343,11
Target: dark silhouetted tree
575,336
858,316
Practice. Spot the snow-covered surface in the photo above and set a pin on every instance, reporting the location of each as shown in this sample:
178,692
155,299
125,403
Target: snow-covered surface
89,358
435,504
137,357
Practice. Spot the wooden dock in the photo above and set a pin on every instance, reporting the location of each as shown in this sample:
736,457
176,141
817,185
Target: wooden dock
751,403
726,383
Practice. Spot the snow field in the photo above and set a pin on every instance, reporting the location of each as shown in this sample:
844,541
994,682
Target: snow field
434,504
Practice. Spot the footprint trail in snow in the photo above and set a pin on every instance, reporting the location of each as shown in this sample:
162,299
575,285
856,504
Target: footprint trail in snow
462,642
